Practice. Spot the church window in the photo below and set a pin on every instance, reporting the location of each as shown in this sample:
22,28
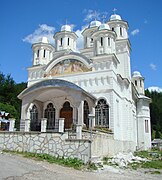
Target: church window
35,123
121,32
101,41
146,126
50,115
61,41
86,112
102,113
91,40
135,82
38,53
108,41
68,41
112,28
44,53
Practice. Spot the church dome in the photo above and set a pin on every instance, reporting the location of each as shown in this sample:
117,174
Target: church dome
94,24
136,74
44,40
66,28
103,27
115,17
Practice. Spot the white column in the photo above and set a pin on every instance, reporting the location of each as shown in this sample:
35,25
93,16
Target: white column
80,113
27,125
79,131
91,120
12,125
43,124
61,125
98,47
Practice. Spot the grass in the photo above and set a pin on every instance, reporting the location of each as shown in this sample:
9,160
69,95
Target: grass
68,162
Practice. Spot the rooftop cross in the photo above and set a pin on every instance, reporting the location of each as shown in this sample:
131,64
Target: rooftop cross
103,18
95,15
114,10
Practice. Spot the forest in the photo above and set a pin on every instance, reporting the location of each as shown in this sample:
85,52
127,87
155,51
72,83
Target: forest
9,102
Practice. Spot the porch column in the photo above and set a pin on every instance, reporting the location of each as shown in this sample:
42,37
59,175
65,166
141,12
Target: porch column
61,125
80,113
43,124
93,120
79,131
27,125
12,125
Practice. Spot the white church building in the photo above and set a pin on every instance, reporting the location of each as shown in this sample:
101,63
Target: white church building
64,83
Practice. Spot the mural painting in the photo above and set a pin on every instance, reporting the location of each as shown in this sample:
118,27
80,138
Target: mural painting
68,66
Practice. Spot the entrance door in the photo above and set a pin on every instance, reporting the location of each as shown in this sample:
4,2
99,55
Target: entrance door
67,113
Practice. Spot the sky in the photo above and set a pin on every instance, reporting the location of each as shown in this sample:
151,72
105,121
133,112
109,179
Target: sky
23,22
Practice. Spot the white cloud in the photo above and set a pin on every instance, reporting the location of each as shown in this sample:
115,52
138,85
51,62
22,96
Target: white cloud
43,30
153,66
155,88
145,21
93,14
135,32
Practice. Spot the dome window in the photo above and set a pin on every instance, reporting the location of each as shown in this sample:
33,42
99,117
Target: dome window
38,53
44,53
101,41
108,41
61,41
121,32
68,41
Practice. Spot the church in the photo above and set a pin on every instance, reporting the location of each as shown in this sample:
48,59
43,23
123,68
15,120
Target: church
69,84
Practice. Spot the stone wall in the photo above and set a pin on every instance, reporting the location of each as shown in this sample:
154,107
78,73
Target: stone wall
50,143
57,144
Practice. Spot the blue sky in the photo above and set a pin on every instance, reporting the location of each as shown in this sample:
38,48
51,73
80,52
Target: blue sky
24,21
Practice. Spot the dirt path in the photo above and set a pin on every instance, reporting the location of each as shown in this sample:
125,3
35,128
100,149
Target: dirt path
15,167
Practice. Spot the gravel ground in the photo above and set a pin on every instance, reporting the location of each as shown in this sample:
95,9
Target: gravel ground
16,167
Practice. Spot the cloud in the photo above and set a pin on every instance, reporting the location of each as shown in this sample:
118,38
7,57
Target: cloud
145,21
135,32
155,88
93,14
80,39
41,31
153,66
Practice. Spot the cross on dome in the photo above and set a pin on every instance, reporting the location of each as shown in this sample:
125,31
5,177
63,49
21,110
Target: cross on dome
114,10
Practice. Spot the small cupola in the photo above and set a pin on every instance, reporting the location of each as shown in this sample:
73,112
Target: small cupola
138,82
115,17
66,28
42,51
65,39
94,24
104,27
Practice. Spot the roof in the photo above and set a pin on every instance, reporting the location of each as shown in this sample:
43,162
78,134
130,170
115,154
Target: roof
53,83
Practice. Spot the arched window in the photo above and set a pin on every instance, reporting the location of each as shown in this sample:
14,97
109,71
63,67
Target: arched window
102,113
61,41
101,41
108,41
50,115
35,123
121,32
38,53
86,112
68,42
44,53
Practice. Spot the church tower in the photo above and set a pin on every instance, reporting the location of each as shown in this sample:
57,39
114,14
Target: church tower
42,52
120,27
65,39
138,82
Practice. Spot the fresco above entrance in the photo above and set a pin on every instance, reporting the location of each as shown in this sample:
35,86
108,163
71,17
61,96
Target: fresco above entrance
68,66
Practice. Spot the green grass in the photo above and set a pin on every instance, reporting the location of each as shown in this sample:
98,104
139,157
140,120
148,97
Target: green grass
69,162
